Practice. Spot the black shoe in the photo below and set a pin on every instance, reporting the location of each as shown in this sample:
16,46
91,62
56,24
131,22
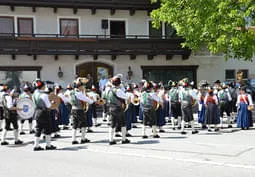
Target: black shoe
183,133
85,141
39,148
1,129
128,135
32,132
51,147
179,128
112,142
57,136
104,120
216,129
89,131
209,130
229,126
156,136
4,143
117,135
22,133
18,142
134,126
97,125
144,136
125,142
194,132
75,142
65,128
162,131
204,127
173,128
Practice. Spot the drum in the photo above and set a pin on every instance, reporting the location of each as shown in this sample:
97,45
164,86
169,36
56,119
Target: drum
55,101
28,108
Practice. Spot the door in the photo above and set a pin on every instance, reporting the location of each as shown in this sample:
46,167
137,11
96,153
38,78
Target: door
96,71
117,29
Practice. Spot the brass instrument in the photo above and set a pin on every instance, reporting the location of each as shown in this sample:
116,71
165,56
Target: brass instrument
54,100
100,101
239,76
136,101
155,105
83,80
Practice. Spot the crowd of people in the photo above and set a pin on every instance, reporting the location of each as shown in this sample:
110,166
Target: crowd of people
124,105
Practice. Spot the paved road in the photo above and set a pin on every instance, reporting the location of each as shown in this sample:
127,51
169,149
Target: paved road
229,153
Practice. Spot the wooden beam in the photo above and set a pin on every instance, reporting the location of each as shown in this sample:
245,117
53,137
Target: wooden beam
113,11
150,57
33,9
169,57
13,57
76,57
75,10
95,57
114,57
132,57
56,57
93,11
185,57
55,9
12,8
35,57
132,12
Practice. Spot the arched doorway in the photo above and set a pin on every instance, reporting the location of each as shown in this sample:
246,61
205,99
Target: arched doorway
95,69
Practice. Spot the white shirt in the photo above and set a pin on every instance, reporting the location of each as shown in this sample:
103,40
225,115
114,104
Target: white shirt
102,83
93,95
82,97
44,97
63,97
249,99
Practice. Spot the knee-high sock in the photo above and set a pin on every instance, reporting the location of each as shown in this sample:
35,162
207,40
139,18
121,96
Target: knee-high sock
108,118
37,140
103,115
111,132
192,125
83,133
30,126
182,125
179,119
1,124
124,133
144,130
221,121
4,135
229,119
154,130
16,134
21,127
47,139
173,122
74,135
95,121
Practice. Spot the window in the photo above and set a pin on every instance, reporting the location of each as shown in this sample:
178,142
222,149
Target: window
6,26
170,31
230,74
69,27
154,32
25,26
245,74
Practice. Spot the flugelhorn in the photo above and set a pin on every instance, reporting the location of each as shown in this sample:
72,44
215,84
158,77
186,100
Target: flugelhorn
136,101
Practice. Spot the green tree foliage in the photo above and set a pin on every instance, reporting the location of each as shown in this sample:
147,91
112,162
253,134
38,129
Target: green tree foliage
220,25
13,78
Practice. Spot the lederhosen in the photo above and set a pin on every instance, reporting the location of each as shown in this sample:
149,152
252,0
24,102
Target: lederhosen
30,120
186,106
79,116
11,116
224,103
149,113
1,106
42,116
115,109
175,104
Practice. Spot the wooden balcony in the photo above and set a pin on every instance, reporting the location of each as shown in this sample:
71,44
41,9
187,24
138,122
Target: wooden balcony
52,44
84,4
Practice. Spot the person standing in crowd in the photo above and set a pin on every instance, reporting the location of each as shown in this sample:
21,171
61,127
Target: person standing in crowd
244,101
102,83
42,117
186,100
79,117
224,104
11,117
26,94
2,92
201,107
68,105
116,98
148,100
211,104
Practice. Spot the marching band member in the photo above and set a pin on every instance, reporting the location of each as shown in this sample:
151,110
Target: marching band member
93,106
62,111
174,101
11,117
3,90
244,100
42,117
116,98
201,107
137,96
224,104
160,91
26,94
211,104
186,100
68,105
149,115
129,114
108,86
79,117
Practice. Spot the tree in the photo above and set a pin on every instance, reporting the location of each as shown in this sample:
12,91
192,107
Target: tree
13,78
220,25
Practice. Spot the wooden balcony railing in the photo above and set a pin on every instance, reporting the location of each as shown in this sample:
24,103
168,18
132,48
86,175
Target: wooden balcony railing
55,44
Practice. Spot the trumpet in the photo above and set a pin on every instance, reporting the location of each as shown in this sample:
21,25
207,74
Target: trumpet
136,101
100,101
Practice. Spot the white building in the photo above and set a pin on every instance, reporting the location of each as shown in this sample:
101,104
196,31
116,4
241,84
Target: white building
42,38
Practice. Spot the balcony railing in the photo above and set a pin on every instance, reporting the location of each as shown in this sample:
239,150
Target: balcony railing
56,44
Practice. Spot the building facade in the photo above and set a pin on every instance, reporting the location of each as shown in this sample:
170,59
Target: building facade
57,41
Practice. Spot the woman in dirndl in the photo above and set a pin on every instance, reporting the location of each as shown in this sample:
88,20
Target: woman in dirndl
244,101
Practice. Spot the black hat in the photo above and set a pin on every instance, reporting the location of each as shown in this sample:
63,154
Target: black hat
116,81
217,82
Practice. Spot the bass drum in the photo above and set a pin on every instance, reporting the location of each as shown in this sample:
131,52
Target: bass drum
28,108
